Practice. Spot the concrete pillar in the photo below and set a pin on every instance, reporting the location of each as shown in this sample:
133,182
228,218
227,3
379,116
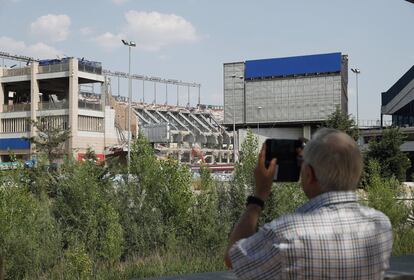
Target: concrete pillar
104,91
220,157
1,98
1,92
307,132
73,103
34,99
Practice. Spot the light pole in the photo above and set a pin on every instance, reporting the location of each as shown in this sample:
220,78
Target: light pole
188,97
129,45
143,91
155,93
258,118
234,76
357,72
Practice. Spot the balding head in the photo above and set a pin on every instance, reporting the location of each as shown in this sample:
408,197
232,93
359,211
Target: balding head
335,159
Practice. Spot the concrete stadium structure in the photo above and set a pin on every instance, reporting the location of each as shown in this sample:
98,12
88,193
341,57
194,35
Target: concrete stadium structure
189,134
49,91
398,102
284,97
76,94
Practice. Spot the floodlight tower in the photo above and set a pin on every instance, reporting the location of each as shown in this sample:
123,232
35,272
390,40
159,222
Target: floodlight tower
129,45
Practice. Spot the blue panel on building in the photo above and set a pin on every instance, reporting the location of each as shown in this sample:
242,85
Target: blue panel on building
14,144
297,65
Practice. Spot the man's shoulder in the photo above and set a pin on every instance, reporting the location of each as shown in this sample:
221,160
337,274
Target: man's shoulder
297,223
376,215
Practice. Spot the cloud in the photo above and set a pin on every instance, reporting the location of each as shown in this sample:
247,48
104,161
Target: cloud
87,30
8,44
8,1
109,41
119,2
38,50
51,28
42,50
151,31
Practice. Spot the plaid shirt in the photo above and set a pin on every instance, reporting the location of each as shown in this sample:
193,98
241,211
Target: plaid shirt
330,237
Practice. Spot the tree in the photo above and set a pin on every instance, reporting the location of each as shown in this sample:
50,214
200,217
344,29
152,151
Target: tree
49,139
243,181
86,212
209,221
29,238
155,207
387,151
382,194
341,121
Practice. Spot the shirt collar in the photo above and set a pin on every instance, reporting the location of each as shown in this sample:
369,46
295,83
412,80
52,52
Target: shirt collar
328,198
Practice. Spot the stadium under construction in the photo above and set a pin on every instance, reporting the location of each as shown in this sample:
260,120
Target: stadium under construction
76,94
279,98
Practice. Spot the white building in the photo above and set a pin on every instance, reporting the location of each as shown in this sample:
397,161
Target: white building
50,91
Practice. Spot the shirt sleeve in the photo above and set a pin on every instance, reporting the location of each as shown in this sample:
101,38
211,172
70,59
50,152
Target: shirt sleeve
257,257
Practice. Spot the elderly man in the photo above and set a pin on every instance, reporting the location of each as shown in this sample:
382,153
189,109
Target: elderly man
332,236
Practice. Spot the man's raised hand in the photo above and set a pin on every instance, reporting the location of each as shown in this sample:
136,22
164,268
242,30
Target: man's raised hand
264,176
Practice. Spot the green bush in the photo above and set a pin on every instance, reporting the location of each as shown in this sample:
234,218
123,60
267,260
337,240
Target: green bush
243,181
85,211
382,194
209,221
79,223
29,237
394,162
155,207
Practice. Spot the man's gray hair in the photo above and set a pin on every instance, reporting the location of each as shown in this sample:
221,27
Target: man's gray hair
335,159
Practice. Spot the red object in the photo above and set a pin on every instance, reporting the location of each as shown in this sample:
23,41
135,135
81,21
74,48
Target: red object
100,157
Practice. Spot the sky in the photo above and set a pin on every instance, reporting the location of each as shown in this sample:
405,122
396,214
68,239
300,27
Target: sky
189,40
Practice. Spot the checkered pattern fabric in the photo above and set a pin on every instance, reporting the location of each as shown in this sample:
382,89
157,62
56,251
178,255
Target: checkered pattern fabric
330,237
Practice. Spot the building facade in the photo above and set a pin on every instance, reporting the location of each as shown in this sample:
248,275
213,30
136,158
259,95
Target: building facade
398,101
284,97
285,90
50,92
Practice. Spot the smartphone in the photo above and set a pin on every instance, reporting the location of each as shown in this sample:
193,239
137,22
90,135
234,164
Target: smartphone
289,160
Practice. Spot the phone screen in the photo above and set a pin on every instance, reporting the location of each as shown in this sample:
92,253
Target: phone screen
288,160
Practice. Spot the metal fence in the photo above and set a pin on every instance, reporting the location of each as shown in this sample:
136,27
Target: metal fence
20,107
373,123
44,106
90,105
16,72
51,68
90,67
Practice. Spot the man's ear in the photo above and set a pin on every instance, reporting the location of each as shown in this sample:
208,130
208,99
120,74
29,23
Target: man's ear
310,184
309,174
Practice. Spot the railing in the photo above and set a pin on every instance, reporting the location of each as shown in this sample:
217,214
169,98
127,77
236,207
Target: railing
19,107
16,72
87,123
51,68
61,122
90,105
90,67
15,125
44,106
373,123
